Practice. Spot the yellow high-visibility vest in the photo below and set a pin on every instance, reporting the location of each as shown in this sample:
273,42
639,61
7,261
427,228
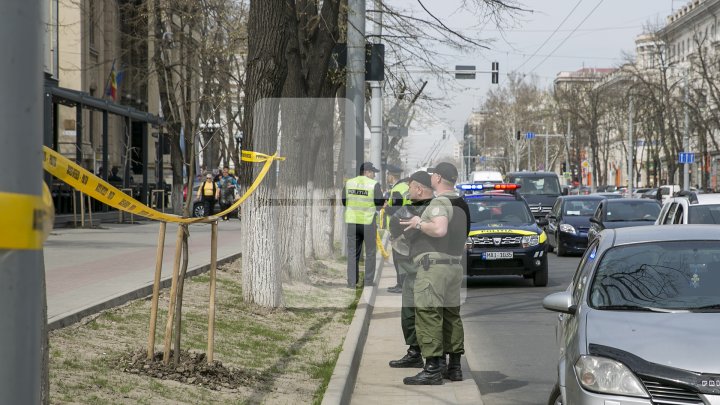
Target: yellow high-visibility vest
360,200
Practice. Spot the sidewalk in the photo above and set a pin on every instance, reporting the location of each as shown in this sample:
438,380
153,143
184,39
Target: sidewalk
88,270
362,374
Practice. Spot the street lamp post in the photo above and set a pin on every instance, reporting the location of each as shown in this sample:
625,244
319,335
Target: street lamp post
208,127
238,148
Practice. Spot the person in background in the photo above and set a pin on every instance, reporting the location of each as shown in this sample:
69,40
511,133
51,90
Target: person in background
396,198
226,190
207,193
361,197
114,179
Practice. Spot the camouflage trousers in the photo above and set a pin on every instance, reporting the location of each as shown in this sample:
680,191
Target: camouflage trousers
438,325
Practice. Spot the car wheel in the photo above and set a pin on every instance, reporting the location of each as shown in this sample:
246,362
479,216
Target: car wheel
559,251
199,210
555,396
540,277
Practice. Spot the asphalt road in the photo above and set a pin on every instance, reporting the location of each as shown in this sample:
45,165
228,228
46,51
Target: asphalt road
510,338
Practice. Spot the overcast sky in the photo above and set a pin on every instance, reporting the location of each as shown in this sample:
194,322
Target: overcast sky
558,35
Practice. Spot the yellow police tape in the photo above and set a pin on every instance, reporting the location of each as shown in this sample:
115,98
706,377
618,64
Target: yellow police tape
86,182
379,244
25,220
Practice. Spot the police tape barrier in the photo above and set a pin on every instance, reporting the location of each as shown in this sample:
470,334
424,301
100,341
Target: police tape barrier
379,244
25,220
86,182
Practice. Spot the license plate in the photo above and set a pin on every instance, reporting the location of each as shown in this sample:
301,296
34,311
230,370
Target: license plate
497,255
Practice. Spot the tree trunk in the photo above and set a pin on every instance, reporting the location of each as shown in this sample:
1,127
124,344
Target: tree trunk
266,72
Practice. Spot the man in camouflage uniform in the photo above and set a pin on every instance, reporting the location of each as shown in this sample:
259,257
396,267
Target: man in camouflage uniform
438,251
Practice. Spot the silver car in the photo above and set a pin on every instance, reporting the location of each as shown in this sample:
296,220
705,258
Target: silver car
640,321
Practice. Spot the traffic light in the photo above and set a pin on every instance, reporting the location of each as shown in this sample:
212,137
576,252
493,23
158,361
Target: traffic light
517,135
495,74
564,167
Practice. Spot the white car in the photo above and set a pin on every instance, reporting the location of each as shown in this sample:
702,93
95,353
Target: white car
689,207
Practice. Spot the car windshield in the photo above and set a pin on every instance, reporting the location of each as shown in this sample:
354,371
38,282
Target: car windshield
632,211
580,207
677,276
538,185
704,214
499,212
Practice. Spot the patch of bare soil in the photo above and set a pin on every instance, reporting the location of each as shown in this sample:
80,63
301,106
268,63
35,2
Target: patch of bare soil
192,368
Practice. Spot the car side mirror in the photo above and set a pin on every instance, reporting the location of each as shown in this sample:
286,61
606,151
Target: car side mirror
560,302
565,191
541,221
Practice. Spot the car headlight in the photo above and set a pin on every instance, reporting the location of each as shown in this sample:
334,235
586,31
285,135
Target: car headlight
608,377
567,228
532,240
468,243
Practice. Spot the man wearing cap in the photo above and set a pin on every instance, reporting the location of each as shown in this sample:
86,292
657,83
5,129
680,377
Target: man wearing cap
421,193
397,197
362,197
438,251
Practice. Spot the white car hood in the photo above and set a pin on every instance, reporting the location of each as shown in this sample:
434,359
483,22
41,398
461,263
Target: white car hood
688,341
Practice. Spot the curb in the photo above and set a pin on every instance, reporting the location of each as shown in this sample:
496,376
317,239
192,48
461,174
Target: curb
342,382
69,318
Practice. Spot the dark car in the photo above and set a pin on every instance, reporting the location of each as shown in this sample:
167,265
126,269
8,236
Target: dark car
540,190
504,238
623,213
569,222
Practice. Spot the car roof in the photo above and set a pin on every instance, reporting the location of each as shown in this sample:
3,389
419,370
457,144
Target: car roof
520,174
486,196
582,197
631,201
704,199
668,233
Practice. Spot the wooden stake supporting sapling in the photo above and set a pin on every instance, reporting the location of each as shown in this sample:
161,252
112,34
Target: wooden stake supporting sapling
173,295
211,310
156,290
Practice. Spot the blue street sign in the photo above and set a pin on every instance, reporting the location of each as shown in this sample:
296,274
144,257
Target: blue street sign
530,135
686,157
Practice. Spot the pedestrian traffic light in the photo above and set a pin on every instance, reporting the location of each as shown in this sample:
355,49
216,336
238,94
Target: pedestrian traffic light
517,135
495,74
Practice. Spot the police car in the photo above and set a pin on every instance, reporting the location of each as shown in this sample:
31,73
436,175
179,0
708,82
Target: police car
504,237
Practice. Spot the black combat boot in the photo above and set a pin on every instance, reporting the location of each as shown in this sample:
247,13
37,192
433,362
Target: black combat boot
413,359
454,370
431,374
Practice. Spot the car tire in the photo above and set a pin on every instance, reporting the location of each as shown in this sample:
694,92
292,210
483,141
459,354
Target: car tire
559,251
555,396
540,277
198,210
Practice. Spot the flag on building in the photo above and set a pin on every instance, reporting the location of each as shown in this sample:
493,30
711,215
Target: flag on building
111,88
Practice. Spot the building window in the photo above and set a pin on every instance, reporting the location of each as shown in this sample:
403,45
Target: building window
91,22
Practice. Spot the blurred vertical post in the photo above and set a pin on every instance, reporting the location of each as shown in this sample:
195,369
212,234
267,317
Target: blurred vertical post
355,133
21,268
376,110
631,148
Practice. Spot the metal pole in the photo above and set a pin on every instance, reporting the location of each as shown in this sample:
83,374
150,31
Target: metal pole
528,142
631,149
517,148
356,82
686,137
567,152
376,127
22,293
547,161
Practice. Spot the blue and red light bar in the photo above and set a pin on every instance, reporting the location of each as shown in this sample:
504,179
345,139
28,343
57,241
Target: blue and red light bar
489,187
